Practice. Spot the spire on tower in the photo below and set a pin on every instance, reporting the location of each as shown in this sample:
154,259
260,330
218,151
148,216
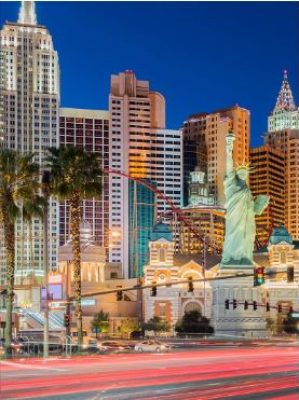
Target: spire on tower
27,13
285,100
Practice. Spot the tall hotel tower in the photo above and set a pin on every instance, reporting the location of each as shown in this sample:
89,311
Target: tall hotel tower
268,177
283,136
29,120
204,146
142,147
88,129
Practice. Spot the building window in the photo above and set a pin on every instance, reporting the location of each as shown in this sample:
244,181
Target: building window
162,254
283,257
162,310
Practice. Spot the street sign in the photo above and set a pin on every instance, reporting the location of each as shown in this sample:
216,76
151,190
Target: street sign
88,302
57,304
57,278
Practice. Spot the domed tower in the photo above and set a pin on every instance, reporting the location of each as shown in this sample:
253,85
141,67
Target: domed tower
161,245
281,248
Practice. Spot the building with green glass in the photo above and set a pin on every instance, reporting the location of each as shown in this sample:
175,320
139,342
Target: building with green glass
142,211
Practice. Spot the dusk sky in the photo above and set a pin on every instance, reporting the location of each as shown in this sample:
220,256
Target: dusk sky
201,56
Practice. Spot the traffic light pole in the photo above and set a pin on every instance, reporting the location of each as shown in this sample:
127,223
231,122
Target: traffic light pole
169,284
68,304
45,191
204,275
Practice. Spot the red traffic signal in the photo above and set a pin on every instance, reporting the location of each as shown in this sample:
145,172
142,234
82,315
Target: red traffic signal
119,295
190,284
154,291
67,320
259,276
227,304
234,304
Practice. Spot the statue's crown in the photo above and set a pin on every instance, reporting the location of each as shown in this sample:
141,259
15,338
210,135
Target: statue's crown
244,166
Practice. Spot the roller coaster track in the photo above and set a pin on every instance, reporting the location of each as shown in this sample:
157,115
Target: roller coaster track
200,235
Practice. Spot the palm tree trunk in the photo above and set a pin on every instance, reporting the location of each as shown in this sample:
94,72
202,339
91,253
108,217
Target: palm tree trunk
75,218
9,240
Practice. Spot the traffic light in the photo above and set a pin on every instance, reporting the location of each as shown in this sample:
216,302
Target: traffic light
119,295
154,291
234,304
254,305
259,276
227,304
245,305
279,308
268,307
190,284
67,320
290,274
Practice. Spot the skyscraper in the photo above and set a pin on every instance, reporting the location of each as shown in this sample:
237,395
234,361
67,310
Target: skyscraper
204,145
268,177
29,112
207,218
283,135
142,147
88,129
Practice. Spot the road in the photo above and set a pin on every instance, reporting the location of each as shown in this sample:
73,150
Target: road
231,373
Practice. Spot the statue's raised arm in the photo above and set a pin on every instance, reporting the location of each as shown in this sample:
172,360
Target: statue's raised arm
230,138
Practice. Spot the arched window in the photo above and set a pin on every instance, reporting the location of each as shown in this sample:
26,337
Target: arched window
162,256
283,257
192,306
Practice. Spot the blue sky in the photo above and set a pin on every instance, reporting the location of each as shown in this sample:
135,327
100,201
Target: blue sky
200,55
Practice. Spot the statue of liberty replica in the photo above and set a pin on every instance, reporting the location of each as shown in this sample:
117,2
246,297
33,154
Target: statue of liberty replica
241,208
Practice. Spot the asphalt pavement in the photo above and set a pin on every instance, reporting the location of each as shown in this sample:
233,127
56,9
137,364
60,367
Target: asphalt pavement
211,373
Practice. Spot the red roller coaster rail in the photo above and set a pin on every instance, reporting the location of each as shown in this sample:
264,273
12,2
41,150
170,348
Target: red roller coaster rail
176,210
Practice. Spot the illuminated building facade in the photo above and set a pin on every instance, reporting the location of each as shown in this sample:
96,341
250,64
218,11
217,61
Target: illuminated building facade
142,216
204,145
171,303
206,218
268,177
142,147
29,103
283,135
89,129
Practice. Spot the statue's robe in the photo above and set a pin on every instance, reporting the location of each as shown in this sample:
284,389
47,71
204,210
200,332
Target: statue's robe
240,225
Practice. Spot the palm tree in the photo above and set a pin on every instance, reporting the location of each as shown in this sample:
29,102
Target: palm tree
75,175
34,207
19,185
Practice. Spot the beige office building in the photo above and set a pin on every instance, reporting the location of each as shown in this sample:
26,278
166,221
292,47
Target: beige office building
141,147
268,177
200,219
283,135
204,145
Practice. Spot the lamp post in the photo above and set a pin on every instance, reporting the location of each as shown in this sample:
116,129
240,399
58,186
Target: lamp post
204,275
46,194
68,305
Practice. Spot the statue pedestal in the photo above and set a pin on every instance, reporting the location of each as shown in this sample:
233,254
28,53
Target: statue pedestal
237,322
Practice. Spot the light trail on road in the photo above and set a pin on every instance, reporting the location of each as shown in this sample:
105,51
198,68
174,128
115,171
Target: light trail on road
195,374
